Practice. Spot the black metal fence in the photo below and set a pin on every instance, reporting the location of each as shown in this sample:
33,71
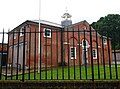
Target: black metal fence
58,55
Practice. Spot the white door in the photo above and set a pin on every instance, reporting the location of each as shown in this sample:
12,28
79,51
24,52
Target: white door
84,51
15,57
20,55
84,55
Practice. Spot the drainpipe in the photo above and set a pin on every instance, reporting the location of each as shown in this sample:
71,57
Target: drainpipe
39,37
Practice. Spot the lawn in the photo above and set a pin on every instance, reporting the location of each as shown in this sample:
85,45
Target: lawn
72,73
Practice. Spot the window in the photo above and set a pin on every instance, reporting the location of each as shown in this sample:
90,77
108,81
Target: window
73,52
22,31
47,32
84,43
15,34
104,41
84,27
94,54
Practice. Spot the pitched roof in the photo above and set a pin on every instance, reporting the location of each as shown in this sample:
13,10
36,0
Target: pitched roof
37,22
47,22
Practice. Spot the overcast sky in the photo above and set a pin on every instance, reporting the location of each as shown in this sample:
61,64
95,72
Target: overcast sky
14,12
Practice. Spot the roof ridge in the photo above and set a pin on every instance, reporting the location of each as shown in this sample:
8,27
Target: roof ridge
45,21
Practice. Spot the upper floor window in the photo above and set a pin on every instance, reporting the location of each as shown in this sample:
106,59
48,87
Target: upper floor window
15,35
104,41
21,31
84,27
47,32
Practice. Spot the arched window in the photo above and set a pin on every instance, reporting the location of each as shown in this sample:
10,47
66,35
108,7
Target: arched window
84,43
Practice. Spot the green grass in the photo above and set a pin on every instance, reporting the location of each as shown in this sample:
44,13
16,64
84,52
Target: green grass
50,76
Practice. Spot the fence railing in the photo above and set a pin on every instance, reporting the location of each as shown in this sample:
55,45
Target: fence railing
58,55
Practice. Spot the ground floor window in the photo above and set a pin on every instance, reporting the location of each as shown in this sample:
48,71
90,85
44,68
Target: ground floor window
73,52
94,54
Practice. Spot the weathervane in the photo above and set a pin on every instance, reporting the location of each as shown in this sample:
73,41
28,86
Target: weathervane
66,9
66,15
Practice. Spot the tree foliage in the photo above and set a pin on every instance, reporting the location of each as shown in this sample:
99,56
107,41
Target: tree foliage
109,26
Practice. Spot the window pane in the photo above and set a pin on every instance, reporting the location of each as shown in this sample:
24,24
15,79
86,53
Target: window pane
72,53
47,32
94,53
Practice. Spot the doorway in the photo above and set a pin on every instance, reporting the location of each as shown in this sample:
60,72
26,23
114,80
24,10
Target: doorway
84,51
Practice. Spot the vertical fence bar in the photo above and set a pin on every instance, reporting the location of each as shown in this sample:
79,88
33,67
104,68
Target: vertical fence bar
74,55
40,52
108,47
24,54
79,52
97,55
46,58
51,56
29,53
103,58
57,52
62,53
18,54
91,50
114,40
85,58
68,54
35,55
7,57
12,55
1,56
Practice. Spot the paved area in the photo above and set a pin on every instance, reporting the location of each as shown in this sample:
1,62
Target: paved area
12,71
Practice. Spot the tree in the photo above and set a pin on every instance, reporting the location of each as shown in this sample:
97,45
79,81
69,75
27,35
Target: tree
109,26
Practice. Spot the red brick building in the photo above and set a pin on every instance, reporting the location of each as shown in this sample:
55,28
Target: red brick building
68,43
3,54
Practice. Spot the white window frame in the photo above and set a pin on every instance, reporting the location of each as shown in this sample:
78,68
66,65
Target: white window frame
74,53
95,51
21,31
49,33
86,42
104,41
15,35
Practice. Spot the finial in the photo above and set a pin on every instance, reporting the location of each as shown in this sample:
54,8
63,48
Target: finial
66,9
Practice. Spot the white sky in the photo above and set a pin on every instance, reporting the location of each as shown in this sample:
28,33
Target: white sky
14,12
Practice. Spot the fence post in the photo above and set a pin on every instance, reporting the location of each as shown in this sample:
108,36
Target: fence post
1,56
91,54
62,52
23,70
7,56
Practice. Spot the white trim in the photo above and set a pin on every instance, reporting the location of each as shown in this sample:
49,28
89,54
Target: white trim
95,53
99,47
79,44
74,53
47,22
86,43
104,41
21,31
88,46
15,35
66,43
48,30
